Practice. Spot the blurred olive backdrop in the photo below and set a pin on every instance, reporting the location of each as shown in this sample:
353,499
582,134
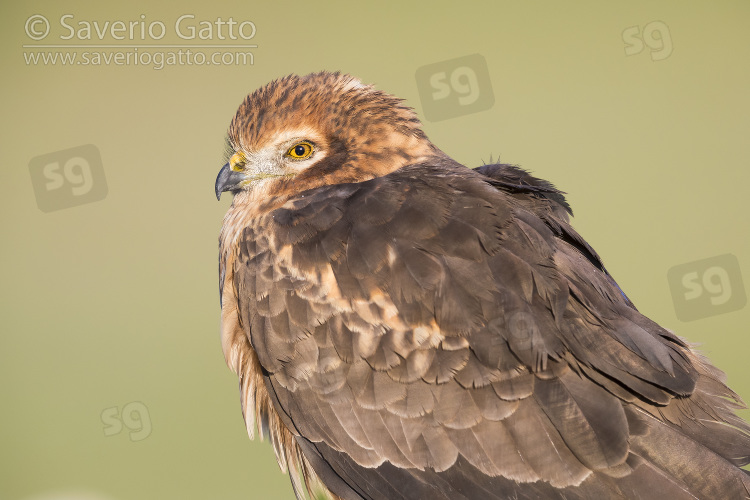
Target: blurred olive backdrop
113,382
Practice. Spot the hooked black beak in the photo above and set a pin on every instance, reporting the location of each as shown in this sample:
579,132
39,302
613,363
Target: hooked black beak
227,180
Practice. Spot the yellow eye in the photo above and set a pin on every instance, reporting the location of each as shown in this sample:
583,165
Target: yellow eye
300,151
237,161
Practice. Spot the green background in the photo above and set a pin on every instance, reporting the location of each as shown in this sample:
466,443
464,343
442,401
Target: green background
116,301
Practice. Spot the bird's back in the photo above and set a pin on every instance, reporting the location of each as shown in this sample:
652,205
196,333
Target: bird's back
439,332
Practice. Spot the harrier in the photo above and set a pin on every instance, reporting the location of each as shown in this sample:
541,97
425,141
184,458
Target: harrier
405,327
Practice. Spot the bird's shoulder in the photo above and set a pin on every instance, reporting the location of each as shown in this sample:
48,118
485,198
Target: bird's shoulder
468,259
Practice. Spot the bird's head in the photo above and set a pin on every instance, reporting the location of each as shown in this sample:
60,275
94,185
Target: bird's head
301,132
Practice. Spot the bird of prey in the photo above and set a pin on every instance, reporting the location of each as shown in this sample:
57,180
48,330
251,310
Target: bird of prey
405,327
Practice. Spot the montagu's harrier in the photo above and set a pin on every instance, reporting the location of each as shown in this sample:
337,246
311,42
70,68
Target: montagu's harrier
404,327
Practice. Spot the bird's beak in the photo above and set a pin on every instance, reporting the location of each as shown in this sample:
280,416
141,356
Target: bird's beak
228,180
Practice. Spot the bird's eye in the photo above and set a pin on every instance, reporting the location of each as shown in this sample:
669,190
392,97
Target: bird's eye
300,151
237,161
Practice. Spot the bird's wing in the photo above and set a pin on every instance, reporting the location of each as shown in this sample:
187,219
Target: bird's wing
438,333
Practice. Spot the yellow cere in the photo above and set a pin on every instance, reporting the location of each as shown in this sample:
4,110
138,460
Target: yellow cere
300,151
237,161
